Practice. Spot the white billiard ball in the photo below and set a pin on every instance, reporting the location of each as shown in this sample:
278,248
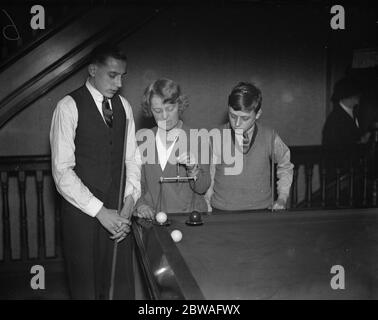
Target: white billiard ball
161,217
176,235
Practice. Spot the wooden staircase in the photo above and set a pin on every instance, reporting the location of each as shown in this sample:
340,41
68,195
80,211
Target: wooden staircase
65,52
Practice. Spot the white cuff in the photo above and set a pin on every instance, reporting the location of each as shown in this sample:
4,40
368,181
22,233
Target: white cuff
93,207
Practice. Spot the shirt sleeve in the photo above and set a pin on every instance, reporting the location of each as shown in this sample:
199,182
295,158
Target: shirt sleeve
62,135
210,191
133,160
284,168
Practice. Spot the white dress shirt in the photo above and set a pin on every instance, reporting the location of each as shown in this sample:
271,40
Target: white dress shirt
62,137
349,111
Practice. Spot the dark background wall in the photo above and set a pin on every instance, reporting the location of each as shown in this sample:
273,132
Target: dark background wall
208,49
289,51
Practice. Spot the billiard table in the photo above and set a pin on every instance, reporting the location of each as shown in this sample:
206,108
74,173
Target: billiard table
262,255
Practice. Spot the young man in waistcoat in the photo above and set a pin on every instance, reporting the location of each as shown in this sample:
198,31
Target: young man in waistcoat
87,135
251,188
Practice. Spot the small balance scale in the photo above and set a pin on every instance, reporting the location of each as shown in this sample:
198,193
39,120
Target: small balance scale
195,218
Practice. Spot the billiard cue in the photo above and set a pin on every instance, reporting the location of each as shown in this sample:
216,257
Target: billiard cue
120,197
272,168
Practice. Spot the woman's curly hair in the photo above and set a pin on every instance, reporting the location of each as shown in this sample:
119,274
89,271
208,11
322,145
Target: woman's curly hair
168,91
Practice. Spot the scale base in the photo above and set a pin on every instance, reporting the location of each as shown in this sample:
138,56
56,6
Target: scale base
193,223
165,224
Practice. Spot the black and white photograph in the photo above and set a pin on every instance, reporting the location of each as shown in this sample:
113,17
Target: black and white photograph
200,153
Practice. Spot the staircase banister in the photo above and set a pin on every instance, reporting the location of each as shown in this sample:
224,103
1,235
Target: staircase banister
25,163
68,65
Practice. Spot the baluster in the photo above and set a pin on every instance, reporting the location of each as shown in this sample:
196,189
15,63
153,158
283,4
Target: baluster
23,216
374,162
351,185
6,228
374,193
57,249
41,216
338,173
308,181
323,186
274,187
294,188
365,182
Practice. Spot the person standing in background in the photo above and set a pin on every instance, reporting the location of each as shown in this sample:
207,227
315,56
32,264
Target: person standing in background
342,126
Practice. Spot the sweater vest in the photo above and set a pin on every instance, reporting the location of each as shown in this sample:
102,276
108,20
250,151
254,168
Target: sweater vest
173,197
98,148
251,189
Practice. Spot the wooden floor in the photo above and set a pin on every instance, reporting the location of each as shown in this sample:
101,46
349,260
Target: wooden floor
15,280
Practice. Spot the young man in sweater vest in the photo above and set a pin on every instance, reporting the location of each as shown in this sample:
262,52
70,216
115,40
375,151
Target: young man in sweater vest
87,135
251,188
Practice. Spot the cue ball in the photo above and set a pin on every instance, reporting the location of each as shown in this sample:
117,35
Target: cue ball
161,217
176,235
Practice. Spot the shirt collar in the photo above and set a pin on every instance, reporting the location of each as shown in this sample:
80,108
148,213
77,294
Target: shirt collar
97,96
250,130
347,110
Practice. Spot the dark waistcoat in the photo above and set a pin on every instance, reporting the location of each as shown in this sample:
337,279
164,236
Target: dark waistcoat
98,148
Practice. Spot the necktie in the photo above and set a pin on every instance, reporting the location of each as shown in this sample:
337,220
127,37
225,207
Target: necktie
107,112
245,142
355,116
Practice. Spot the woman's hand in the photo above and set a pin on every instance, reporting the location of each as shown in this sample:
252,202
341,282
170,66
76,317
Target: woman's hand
145,211
190,162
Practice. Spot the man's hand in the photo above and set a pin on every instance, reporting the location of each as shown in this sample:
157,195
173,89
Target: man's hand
113,222
126,212
145,211
365,138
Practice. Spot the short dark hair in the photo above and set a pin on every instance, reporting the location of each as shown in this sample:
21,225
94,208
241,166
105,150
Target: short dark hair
245,96
104,51
345,88
168,90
